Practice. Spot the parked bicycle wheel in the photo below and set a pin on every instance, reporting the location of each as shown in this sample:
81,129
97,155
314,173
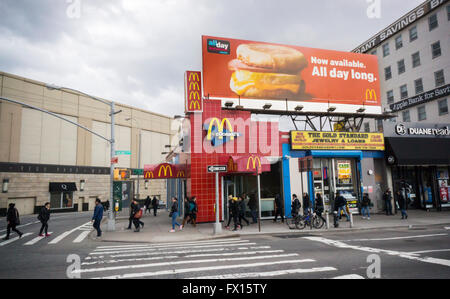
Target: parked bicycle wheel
291,223
318,222
300,222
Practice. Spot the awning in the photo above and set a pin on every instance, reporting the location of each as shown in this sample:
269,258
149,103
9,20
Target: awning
417,151
165,171
246,164
62,187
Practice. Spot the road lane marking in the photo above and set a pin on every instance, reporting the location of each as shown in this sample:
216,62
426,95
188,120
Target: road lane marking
349,276
234,253
395,238
164,248
14,239
172,245
427,251
406,255
184,262
35,240
129,260
447,227
65,234
82,236
201,269
266,274
176,251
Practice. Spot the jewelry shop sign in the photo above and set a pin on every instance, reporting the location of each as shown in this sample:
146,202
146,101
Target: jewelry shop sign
312,140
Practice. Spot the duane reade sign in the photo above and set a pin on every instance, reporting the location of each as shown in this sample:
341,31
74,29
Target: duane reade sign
418,130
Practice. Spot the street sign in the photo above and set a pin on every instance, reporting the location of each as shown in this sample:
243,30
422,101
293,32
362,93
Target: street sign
217,168
123,152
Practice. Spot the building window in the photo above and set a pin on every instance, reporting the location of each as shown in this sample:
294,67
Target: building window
401,66
433,22
385,50
421,113
416,59
443,107
367,127
380,125
436,49
448,12
61,200
418,84
374,52
406,117
398,42
390,96
403,92
413,34
387,73
439,78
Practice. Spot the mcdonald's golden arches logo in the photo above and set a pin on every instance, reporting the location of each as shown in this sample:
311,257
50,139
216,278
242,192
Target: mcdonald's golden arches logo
253,159
148,175
181,174
220,126
371,94
167,169
193,91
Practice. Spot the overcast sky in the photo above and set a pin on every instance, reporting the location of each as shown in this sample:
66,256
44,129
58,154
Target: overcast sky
136,51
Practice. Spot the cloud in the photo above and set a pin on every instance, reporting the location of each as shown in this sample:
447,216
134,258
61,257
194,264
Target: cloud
136,51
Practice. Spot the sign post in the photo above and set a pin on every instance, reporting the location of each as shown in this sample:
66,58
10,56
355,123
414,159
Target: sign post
217,169
259,198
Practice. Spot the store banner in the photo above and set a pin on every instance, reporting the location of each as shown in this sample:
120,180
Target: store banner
309,140
257,70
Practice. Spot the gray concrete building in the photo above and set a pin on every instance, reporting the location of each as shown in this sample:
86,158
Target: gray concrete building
45,159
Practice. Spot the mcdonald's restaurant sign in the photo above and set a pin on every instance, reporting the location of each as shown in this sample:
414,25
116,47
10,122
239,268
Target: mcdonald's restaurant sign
308,140
193,91
220,130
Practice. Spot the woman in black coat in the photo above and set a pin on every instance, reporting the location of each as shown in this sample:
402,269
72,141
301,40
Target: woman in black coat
44,217
12,217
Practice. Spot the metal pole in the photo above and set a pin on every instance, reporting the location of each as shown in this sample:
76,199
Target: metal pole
111,219
217,225
259,203
139,163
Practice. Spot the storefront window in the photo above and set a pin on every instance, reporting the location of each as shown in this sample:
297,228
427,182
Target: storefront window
443,186
61,200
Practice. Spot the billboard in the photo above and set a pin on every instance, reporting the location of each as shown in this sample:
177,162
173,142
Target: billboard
193,91
309,140
249,70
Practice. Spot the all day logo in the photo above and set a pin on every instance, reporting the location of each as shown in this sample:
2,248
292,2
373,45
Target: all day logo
220,131
218,46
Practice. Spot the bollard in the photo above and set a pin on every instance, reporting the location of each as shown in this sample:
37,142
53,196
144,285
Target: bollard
351,219
327,220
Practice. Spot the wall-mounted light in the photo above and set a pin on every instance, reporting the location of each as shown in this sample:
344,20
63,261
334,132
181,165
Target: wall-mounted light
267,106
5,185
229,104
361,110
299,108
82,183
146,185
331,109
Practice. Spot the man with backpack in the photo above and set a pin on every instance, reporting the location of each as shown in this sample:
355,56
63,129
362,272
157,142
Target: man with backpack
365,205
44,217
295,206
12,217
155,204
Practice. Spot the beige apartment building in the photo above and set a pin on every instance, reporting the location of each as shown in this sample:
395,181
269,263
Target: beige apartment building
45,159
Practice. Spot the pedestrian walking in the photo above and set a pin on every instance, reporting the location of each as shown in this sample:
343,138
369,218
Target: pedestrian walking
194,210
130,218
137,214
278,208
44,217
319,206
230,210
402,204
341,205
253,205
295,206
174,214
365,206
187,211
98,216
155,204
13,219
387,197
147,204
235,213
306,203
241,204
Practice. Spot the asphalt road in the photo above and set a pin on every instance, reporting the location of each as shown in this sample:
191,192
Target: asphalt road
394,253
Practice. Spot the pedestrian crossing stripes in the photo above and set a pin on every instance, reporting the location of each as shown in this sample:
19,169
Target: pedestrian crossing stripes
209,259
84,230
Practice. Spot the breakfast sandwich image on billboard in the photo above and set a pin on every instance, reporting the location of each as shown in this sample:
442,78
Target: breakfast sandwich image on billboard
255,71
267,71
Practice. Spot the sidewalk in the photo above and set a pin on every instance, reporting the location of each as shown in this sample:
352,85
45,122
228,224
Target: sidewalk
156,229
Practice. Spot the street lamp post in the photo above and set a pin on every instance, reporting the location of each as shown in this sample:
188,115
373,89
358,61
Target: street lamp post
139,154
111,218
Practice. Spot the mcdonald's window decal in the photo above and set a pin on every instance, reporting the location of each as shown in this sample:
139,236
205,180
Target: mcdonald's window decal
220,131
308,140
193,90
